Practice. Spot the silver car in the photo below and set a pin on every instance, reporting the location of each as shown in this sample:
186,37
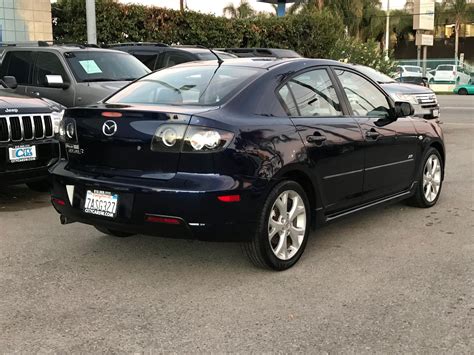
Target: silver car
423,99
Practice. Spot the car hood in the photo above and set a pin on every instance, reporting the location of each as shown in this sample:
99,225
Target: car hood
13,103
400,88
92,93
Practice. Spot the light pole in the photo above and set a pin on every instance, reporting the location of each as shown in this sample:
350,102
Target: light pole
387,31
90,18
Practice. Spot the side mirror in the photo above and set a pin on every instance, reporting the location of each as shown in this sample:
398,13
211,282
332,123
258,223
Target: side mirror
10,81
403,109
56,81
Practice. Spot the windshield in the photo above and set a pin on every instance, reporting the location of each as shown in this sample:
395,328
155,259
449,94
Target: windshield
197,85
90,66
375,75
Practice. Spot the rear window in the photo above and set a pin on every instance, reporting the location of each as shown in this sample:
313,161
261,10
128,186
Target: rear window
199,85
445,68
413,69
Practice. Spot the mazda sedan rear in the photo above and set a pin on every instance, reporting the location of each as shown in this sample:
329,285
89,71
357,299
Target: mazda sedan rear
250,150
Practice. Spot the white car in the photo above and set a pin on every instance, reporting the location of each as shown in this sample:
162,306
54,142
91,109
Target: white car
448,73
412,71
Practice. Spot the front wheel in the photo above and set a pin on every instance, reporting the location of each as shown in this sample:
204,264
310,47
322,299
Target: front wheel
429,181
113,233
283,228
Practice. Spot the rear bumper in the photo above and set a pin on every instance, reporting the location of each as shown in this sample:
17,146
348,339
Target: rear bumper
191,198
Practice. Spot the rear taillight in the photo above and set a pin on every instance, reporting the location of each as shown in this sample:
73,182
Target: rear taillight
190,139
67,130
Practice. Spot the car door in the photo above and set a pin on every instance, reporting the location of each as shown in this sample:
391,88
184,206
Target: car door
49,63
332,139
391,147
18,64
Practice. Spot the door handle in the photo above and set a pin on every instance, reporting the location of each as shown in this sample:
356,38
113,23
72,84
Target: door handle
316,138
373,134
35,93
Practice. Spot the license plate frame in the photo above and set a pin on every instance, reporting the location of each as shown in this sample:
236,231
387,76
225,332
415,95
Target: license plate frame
101,203
22,153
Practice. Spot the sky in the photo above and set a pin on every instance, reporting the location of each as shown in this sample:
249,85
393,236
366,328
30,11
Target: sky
216,6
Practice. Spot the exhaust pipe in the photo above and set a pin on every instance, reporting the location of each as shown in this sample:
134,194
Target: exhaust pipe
64,220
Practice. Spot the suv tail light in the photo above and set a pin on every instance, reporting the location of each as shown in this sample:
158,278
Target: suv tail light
190,139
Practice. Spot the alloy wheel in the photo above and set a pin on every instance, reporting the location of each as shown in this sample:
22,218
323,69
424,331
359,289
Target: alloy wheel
287,224
432,178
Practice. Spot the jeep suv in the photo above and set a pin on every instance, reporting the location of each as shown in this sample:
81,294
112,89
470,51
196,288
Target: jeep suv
72,75
28,127
159,55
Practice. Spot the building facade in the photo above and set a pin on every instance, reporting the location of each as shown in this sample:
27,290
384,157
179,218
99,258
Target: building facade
25,20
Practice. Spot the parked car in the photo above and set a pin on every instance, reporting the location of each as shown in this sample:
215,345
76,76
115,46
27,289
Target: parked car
417,80
423,99
466,89
159,55
251,150
262,52
68,74
413,71
451,74
28,145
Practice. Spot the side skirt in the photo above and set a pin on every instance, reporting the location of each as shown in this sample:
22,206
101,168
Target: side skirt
386,200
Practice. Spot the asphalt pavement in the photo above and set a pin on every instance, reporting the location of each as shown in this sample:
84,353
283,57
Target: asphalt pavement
394,279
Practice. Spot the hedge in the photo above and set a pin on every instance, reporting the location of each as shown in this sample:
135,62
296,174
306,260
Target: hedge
312,34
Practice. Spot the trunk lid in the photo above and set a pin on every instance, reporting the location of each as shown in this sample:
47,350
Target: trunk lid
127,150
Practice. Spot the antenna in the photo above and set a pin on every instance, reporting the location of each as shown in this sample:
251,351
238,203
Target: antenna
219,59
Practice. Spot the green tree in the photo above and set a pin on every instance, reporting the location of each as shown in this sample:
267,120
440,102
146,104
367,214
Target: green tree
460,14
244,10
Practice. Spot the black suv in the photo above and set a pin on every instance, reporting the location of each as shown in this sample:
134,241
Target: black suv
27,137
159,55
261,52
72,75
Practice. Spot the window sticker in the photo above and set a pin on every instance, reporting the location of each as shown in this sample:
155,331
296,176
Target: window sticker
90,66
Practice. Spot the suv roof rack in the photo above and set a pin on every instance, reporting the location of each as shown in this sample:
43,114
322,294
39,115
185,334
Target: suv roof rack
125,44
47,44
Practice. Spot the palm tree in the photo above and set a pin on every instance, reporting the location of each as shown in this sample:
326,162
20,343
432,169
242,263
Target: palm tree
181,5
459,11
306,4
244,10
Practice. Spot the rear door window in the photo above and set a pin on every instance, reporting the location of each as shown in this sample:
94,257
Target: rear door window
147,58
18,64
48,63
311,94
175,58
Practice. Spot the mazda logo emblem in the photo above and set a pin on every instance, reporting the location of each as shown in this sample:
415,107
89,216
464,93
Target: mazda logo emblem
109,128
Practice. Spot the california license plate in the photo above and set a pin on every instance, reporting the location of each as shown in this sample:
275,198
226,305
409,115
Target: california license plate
22,153
435,113
101,203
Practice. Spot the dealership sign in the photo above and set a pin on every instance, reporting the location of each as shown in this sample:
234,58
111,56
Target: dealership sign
423,15
424,40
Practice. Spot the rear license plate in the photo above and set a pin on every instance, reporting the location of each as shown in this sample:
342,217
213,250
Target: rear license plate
22,153
435,113
101,203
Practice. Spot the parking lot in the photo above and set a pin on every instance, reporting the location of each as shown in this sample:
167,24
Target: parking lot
393,279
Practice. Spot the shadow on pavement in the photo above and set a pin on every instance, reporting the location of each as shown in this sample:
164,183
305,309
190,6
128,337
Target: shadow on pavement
21,198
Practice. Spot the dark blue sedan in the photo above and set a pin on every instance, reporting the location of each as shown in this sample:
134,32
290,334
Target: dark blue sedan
250,150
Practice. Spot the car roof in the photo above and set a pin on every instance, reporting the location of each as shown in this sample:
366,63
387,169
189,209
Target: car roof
265,62
62,48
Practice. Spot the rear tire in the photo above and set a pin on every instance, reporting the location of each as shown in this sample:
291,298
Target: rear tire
462,91
113,233
430,180
40,186
282,230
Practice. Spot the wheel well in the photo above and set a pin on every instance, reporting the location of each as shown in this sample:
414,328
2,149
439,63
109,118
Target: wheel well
305,182
439,148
